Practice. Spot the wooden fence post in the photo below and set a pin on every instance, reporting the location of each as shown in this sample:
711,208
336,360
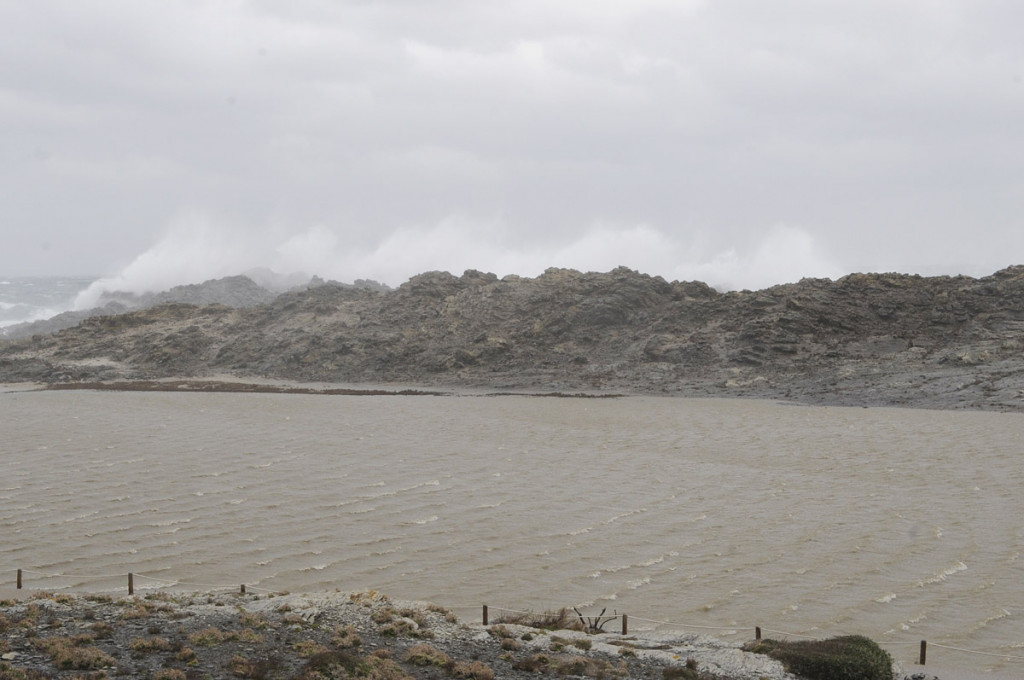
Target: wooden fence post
625,624
131,584
924,651
19,579
485,615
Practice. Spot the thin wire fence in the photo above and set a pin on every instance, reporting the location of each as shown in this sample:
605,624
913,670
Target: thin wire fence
159,583
923,644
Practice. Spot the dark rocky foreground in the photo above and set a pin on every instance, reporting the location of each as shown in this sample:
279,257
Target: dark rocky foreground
865,339
324,636
329,635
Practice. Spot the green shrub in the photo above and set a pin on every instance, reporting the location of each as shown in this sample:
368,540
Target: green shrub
850,657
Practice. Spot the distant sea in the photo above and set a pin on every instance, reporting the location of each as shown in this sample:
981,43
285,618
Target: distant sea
33,298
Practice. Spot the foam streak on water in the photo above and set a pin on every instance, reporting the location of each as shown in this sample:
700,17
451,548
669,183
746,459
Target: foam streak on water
902,525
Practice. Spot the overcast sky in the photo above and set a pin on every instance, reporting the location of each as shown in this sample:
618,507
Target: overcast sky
740,142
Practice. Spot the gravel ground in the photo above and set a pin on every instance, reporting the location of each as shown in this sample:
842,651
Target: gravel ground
168,636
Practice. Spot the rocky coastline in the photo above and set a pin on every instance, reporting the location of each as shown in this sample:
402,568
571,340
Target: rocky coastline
862,340
173,636
180,636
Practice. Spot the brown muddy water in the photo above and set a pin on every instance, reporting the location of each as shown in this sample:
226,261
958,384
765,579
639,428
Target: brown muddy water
898,524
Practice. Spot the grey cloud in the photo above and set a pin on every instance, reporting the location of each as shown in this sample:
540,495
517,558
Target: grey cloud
885,132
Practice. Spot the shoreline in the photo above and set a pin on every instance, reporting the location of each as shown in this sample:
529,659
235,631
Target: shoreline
233,385
216,632
230,384
218,635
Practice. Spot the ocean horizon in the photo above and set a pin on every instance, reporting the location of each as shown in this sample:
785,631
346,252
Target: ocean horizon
24,299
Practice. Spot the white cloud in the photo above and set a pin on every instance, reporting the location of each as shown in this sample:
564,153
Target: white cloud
703,122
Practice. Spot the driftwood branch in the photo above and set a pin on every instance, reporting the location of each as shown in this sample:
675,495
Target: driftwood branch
595,624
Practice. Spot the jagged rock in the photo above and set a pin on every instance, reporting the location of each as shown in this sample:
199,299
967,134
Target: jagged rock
863,339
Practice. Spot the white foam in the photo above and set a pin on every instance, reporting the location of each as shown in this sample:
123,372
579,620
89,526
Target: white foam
943,575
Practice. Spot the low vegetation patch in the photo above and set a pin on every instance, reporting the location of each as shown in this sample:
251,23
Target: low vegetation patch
257,621
309,648
425,655
339,664
383,615
448,614
562,619
475,670
590,667
138,609
257,669
575,665
148,645
687,672
8,672
102,629
209,637
346,636
170,674
850,657
75,653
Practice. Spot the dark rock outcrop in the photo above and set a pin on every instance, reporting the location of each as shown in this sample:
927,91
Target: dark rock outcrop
867,339
232,291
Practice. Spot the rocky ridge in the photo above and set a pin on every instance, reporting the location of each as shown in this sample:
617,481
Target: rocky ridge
242,291
864,339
